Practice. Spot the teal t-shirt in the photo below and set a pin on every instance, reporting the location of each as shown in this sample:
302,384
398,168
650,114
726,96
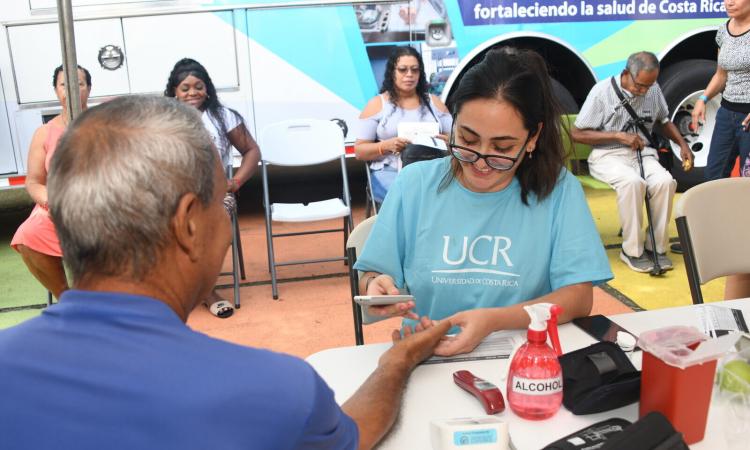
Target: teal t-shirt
456,250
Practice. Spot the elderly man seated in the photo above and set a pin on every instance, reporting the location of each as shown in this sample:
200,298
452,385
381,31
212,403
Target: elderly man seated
136,197
605,123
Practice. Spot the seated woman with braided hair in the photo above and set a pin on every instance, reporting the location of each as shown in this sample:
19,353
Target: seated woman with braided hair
190,83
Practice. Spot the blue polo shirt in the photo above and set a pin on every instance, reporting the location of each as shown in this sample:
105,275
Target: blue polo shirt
110,371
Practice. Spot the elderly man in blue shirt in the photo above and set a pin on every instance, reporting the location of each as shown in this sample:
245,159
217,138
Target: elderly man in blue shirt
135,195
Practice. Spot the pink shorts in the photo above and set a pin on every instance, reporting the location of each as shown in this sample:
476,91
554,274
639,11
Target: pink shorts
38,233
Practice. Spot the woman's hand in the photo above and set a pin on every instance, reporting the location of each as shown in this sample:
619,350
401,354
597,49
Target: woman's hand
42,200
746,123
393,145
698,114
233,185
384,285
475,325
443,137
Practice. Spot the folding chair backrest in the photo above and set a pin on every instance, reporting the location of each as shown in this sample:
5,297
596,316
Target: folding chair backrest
354,246
301,142
718,223
359,235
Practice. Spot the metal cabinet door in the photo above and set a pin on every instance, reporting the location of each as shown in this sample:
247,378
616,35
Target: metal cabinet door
156,43
47,4
8,164
35,52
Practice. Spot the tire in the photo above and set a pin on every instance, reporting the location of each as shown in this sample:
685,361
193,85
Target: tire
564,97
681,84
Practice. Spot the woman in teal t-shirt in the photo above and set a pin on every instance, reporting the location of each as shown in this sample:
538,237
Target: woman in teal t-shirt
500,224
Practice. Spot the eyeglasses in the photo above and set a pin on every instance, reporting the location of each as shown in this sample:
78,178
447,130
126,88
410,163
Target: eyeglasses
402,70
497,162
230,204
641,86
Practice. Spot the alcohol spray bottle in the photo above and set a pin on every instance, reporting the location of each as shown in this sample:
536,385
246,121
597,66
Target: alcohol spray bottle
534,388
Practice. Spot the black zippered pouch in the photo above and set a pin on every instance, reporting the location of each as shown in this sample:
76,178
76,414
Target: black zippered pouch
599,378
651,432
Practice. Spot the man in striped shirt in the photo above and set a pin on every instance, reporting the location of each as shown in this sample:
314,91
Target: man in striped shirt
605,124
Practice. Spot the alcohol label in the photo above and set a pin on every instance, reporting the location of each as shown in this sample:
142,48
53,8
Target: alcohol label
536,386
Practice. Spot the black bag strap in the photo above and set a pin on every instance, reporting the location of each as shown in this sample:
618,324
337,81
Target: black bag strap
637,120
429,108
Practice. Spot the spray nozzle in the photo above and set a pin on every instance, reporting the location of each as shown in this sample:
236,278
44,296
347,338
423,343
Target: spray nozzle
544,320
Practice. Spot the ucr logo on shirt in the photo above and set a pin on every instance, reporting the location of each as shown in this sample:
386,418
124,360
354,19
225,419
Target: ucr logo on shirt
482,251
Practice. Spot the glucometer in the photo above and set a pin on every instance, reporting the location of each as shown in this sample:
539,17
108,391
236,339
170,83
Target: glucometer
378,300
487,393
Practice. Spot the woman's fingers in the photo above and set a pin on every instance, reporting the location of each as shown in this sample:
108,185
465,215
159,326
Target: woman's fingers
403,309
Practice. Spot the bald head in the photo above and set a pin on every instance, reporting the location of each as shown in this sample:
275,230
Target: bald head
116,179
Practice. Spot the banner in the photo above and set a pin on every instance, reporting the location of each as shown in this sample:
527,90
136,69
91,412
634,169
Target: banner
488,12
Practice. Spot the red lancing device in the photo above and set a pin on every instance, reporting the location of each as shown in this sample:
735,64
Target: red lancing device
487,393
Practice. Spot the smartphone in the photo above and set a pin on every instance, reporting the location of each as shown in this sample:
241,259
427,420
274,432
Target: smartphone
600,328
377,300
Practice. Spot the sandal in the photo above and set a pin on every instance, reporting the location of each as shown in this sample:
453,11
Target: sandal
221,309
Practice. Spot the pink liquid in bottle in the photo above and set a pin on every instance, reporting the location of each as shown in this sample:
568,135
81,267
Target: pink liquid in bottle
534,389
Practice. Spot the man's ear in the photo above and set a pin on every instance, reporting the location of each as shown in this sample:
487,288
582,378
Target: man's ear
185,225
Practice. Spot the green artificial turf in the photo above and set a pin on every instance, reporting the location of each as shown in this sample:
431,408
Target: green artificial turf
18,288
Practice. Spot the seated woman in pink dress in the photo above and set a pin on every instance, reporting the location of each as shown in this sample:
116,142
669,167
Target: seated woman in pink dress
36,239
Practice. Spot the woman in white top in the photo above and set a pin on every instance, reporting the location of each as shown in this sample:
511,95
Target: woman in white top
190,83
403,98
731,135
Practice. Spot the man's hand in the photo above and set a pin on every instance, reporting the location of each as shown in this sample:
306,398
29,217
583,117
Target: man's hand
376,403
415,346
475,325
631,140
687,158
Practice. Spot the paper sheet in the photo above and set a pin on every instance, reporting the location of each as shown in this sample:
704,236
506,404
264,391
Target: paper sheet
498,345
715,318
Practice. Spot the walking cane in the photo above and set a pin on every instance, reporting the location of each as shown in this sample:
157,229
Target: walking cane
657,270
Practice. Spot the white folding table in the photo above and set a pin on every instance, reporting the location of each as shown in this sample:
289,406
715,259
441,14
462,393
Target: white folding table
431,393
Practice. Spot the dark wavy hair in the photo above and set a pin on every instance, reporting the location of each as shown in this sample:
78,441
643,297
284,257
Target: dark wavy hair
59,69
520,78
183,69
389,85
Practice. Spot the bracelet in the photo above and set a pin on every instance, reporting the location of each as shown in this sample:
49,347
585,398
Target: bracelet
380,148
367,283
703,97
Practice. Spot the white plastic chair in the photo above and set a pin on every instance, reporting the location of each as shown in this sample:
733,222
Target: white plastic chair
713,220
303,142
354,246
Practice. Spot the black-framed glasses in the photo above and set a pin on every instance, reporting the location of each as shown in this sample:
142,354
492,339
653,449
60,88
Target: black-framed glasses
497,162
403,69
641,86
